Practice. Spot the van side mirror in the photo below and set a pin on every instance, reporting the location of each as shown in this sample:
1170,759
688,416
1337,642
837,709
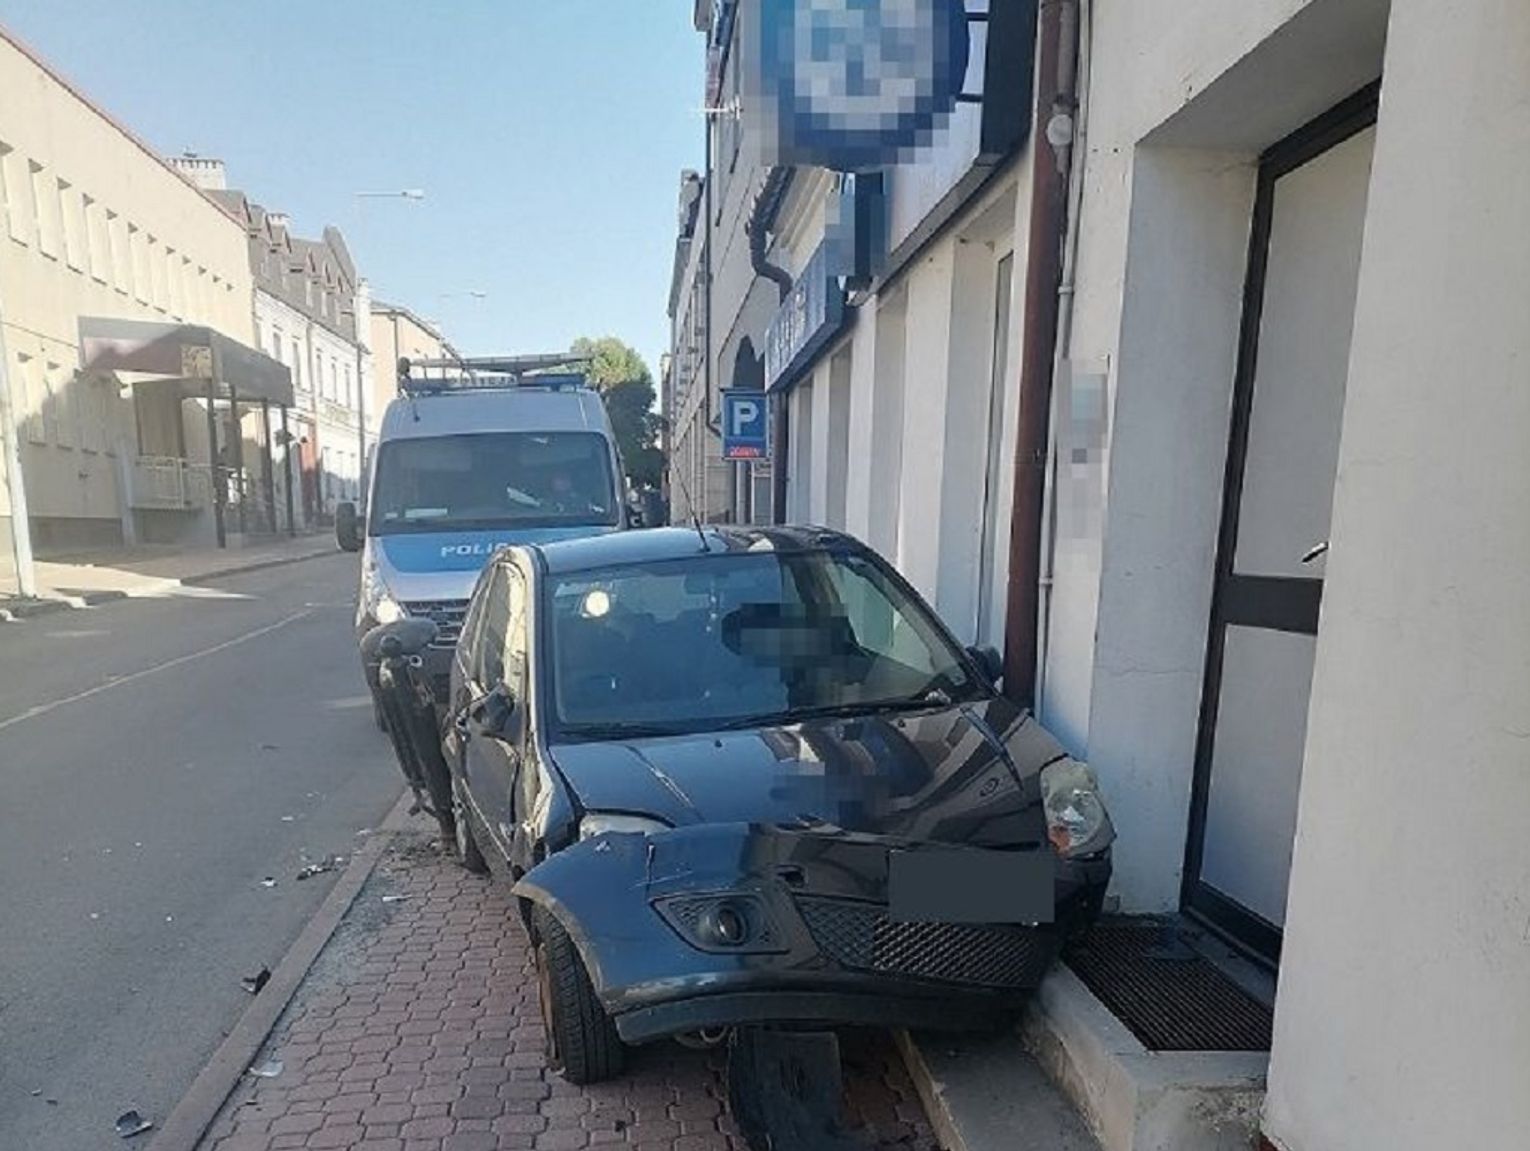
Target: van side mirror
347,527
989,662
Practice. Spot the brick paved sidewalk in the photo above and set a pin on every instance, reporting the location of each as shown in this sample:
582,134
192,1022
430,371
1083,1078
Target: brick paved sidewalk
419,1030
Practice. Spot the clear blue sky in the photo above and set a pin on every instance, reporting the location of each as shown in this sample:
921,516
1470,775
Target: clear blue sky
548,136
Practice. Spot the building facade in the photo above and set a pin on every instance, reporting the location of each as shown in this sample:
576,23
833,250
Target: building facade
397,333
1207,402
311,312
94,224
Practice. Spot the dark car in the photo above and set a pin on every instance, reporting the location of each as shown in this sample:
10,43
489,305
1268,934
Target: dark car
746,775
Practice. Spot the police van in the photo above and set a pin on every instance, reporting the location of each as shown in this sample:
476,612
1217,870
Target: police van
484,453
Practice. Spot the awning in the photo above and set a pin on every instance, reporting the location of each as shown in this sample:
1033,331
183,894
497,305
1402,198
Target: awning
188,353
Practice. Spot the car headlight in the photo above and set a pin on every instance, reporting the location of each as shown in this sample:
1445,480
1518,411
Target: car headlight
1077,822
376,600
602,822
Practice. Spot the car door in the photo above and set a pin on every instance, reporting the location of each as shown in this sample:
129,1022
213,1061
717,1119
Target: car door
493,746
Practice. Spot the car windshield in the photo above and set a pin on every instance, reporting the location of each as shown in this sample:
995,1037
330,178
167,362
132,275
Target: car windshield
718,641
493,479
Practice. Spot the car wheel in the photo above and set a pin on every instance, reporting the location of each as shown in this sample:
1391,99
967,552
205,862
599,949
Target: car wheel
582,1043
462,832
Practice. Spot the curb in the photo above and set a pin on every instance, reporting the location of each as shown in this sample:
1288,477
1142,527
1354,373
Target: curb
255,566
184,1127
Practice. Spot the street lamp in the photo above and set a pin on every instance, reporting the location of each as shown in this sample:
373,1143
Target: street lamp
401,194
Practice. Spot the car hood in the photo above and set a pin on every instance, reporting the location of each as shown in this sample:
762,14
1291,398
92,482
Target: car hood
961,774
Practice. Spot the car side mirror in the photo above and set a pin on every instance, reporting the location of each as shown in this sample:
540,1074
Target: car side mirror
497,713
400,639
347,527
989,661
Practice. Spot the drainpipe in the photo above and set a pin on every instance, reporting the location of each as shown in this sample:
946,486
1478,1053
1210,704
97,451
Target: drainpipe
706,317
761,220
1055,103
1065,296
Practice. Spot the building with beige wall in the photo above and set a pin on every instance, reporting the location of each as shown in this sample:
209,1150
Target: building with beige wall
398,332
95,224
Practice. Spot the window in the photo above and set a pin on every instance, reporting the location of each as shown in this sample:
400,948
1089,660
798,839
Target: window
97,245
488,665
276,343
58,399
45,203
138,270
120,256
752,638
88,406
172,281
71,214
10,194
297,365
349,385
485,480
515,639
156,262
31,409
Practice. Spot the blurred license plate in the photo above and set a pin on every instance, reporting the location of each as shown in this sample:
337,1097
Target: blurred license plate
939,886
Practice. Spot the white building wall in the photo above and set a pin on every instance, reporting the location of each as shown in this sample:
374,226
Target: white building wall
1173,138
92,223
1404,1012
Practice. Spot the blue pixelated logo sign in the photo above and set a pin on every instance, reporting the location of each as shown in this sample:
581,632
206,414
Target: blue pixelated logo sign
850,85
745,425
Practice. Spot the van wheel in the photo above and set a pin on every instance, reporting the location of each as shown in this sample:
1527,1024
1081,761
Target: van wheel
582,1043
462,833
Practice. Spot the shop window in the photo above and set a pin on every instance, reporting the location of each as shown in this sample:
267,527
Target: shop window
30,395
57,399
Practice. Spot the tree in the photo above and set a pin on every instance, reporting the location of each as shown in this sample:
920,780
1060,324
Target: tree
626,385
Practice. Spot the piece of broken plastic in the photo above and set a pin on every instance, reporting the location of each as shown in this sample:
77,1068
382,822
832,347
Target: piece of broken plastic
131,1123
253,983
270,1069
268,881
394,898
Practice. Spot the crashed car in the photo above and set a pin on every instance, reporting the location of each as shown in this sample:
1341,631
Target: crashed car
742,776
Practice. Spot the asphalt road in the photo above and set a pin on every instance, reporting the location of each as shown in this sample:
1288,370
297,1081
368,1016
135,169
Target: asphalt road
158,759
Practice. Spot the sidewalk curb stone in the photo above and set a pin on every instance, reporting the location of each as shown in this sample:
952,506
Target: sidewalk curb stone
184,1127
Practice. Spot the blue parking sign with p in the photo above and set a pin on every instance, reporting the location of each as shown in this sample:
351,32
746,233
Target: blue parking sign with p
746,425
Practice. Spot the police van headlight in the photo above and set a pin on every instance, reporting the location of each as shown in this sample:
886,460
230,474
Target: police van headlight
376,600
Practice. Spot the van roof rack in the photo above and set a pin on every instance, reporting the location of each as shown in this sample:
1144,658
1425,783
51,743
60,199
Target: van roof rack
552,370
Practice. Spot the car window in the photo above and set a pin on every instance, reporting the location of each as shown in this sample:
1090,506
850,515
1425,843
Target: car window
690,643
488,665
514,668
877,626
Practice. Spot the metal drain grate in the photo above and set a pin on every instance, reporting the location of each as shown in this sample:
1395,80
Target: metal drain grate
1170,997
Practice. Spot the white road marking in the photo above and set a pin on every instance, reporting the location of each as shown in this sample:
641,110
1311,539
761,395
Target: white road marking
52,705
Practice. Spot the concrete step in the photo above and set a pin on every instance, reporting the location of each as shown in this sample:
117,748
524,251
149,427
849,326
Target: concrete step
990,1094
1134,1099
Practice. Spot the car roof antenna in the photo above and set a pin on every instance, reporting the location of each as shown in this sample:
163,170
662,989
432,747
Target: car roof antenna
695,519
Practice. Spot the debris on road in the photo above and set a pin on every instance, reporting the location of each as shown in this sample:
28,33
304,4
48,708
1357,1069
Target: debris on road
253,983
131,1123
268,881
288,818
328,863
394,898
270,1069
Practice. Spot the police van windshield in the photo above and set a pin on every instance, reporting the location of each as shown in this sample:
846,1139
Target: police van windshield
493,480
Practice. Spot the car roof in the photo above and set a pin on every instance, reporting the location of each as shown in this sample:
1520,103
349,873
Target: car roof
462,411
651,545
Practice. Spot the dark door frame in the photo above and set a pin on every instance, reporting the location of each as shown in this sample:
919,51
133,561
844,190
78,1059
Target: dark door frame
1279,603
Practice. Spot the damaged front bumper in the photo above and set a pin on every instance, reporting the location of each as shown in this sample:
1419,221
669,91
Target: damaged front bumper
726,924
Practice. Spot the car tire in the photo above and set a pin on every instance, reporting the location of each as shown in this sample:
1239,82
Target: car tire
468,853
582,1043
